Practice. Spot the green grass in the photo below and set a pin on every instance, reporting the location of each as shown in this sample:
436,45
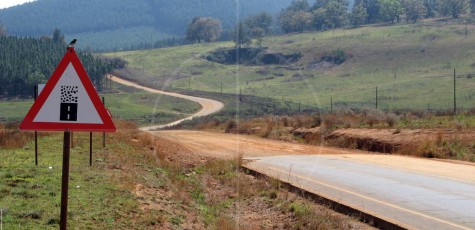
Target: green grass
30,195
411,64
130,104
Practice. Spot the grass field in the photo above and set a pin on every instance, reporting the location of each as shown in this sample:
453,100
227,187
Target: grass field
129,104
412,66
30,196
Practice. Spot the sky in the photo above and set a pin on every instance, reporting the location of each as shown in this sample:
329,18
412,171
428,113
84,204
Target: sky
8,3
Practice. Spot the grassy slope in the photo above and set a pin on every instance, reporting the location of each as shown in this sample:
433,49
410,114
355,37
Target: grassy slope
145,108
411,64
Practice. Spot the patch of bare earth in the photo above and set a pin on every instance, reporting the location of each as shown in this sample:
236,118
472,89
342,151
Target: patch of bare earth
214,193
394,140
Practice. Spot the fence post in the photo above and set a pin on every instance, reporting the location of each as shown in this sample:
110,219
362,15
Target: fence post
103,133
331,104
455,97
376,97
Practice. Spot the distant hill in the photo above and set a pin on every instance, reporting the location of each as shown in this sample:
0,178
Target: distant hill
412,66
117,23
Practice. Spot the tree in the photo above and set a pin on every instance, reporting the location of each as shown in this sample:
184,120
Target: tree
241,35
330,14
57,36
390,10
19,71
336,13
372,9
453,7
203,29
358,15
414,9
295,21
260,23
431,8
3,30
298,5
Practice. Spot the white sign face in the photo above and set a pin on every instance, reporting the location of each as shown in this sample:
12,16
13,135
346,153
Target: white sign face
69,102
40,88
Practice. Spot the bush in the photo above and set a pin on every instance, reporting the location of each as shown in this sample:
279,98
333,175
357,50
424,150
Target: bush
391,119
230,125
337,56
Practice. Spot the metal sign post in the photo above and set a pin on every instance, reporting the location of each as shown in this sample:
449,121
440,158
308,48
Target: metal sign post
36,132
90,148
65,182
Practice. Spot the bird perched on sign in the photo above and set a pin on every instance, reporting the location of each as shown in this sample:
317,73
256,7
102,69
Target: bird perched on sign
72,43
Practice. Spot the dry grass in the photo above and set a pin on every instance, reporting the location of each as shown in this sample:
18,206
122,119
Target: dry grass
316,129
225,223
11,137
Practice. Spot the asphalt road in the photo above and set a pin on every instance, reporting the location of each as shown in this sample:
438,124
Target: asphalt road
410,198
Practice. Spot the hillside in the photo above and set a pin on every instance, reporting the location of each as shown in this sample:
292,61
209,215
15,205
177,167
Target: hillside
99,24
412,66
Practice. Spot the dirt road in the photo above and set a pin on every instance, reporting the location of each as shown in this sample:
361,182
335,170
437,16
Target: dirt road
228,146
208,106
411,192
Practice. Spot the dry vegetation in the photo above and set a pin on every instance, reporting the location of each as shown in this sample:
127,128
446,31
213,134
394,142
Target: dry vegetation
11,137
158,184
417,133
225,197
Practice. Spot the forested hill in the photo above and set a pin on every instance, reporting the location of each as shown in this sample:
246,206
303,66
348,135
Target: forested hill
153,18
25,62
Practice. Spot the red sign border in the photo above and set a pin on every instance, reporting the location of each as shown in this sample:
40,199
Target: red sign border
69,57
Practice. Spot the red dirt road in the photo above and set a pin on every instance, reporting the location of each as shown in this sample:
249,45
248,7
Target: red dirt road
228,146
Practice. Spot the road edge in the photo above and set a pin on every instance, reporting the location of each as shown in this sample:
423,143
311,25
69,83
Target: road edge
361,215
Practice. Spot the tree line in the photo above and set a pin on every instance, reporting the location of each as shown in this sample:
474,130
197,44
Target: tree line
26,61
301,16
329,14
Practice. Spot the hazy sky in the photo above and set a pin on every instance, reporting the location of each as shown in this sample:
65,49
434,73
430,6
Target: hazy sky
8,3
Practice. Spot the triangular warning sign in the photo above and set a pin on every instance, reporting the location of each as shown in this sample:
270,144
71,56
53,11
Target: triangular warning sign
68,102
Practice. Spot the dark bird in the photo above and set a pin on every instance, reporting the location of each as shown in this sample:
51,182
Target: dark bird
72,43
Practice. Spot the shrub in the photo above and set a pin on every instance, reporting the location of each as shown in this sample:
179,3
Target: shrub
337,56
230,125
391,119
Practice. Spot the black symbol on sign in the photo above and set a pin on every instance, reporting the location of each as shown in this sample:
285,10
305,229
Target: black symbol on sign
69,103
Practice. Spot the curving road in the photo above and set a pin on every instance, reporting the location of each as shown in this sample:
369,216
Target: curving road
413,193
208,106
